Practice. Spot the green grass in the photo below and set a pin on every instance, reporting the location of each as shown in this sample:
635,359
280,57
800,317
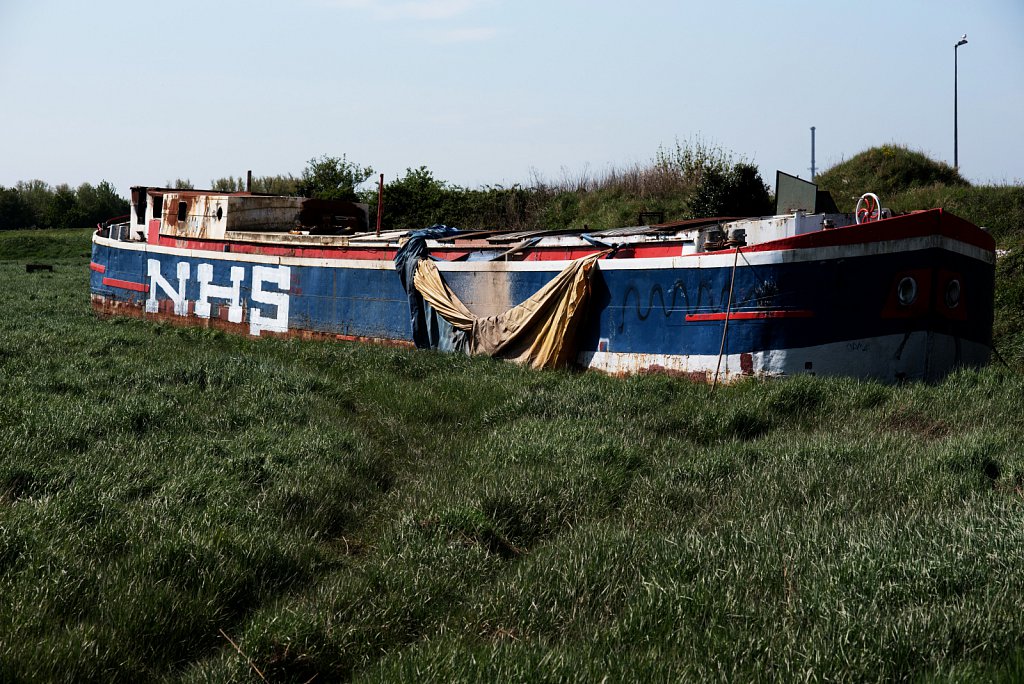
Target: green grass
355,512
45,244
999,208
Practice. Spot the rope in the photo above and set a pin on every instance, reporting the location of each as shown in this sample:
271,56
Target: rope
999,356
728,311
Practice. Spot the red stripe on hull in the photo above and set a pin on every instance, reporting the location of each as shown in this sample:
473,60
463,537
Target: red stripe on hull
749,315
99,268
356,253
919,224
126,285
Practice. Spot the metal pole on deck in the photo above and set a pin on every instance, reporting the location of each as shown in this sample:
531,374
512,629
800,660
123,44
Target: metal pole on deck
248,180
380,202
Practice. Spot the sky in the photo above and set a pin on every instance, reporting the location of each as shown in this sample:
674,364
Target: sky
498,92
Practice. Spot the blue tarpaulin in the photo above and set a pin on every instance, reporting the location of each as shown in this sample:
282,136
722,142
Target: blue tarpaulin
428,329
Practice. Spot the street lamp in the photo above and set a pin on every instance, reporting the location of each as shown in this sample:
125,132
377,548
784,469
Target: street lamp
962,41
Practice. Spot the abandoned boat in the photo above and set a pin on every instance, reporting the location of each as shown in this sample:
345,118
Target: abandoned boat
807,291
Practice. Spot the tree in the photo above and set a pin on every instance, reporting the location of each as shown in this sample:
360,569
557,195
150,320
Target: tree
277,185
14,211
97,204
228,184
418,200
738,191
62,211
333,178
37,195
35,204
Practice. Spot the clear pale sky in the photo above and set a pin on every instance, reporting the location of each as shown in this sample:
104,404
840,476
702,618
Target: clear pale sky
497,91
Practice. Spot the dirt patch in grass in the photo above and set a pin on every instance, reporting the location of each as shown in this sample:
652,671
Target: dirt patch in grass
916,423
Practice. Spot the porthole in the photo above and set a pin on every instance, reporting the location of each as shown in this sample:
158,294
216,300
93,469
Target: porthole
220,213
953,293
906,291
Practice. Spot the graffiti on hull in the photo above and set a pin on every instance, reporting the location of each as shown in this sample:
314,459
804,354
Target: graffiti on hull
268,309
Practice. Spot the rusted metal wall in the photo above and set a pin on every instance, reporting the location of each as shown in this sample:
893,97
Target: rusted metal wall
194,216
191,214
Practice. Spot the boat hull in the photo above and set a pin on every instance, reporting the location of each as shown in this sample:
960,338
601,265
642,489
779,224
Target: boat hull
824,304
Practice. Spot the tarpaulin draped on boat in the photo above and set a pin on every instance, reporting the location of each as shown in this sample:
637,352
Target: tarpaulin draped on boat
424,335
540,332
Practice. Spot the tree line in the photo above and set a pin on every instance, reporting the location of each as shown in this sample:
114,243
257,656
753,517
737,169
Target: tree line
690,180
36,204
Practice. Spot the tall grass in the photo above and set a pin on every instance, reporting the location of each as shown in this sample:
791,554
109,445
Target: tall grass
351,512
1000,209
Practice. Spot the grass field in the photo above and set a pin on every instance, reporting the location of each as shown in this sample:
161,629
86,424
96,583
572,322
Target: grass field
171,499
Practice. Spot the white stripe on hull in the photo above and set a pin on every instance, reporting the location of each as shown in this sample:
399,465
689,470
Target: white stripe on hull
889,358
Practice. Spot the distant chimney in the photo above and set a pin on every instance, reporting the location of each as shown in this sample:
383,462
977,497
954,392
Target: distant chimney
814,171
248,180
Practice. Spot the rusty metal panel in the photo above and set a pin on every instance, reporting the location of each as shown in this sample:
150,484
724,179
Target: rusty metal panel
211,215
283,214
194,215
258,214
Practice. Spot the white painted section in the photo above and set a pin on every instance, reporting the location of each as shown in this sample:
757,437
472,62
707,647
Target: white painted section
281,277
157,281
919,355
201,219
232,292
766,229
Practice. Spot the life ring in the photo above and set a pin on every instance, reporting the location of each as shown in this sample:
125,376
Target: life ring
869,208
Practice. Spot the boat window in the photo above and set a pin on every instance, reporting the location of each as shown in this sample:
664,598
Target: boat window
158,206
182,211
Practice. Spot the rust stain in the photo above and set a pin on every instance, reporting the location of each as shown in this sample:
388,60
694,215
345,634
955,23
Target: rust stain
747,363
692,376
106,308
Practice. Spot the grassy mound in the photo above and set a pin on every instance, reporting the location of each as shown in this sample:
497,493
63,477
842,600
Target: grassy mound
999,208
885,171
47,244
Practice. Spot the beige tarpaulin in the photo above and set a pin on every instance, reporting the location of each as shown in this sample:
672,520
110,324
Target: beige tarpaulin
539,332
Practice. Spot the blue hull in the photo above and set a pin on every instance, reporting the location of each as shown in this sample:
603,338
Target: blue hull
663,314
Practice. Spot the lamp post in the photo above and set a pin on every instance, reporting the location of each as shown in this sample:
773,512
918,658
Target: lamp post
956,159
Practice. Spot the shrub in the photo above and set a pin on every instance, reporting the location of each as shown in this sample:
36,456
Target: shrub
333,178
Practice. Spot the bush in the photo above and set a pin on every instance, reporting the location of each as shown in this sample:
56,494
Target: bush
333,178
738,191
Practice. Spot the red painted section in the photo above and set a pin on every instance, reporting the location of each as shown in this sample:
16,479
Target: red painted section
126,285
918,224
99,268
359,253
749,315
921,304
